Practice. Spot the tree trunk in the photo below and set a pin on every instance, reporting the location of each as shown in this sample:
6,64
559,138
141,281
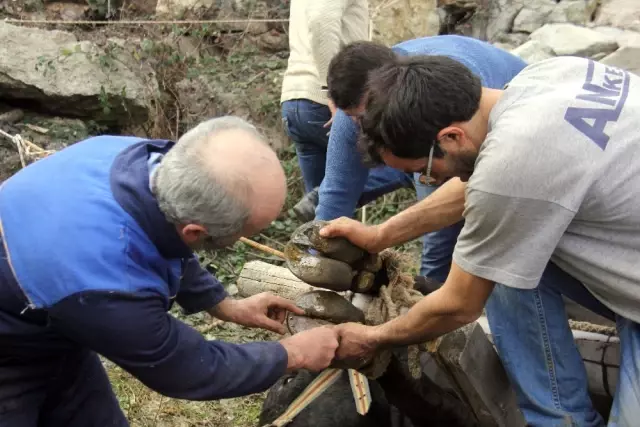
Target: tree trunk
259,276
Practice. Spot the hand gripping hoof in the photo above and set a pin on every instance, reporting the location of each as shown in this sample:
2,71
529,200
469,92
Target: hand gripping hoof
321,262
325,308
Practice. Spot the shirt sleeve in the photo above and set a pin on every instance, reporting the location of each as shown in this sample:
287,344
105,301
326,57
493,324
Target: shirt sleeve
509,240
199,289
325,25
135,332
345,174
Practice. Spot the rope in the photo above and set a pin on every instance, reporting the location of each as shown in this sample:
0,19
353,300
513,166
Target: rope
394,296
141,22
26,149
590,327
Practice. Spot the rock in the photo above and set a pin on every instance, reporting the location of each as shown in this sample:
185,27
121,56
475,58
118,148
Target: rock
505,46
203,97
569,39
272,41
540,12
577,12
623,37
598,56
627,58
67,11
515,39
624,14
533,16
11,116
418,18
494,20
61,75
533,51
188,46
454,14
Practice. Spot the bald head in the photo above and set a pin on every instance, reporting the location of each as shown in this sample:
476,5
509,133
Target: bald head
220,178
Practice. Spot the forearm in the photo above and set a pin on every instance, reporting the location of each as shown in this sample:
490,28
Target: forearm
199,290
458,302
442,208
165,354
430,318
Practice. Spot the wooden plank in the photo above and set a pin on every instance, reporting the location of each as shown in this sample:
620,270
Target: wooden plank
474,364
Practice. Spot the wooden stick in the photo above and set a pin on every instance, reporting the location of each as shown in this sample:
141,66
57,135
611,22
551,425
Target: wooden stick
261,247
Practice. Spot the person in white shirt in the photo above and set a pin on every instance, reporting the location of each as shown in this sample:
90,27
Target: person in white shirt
317,31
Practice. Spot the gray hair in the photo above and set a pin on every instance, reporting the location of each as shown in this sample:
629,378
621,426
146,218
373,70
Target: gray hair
188,191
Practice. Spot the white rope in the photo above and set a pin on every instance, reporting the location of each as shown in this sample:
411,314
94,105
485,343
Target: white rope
25,147
141,22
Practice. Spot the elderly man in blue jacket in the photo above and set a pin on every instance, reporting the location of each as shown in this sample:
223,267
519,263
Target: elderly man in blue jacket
97,244
348,183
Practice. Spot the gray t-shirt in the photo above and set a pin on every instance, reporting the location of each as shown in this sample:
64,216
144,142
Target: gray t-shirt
558,178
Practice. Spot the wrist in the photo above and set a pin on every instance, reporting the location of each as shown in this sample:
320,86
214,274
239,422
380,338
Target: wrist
225,310
381,241
295,360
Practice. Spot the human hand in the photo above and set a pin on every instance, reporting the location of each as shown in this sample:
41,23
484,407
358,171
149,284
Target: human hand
313,349
367,237
333,109
264,310
357,341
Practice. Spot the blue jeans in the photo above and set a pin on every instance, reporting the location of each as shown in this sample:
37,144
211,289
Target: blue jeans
304,122
537,348
437,246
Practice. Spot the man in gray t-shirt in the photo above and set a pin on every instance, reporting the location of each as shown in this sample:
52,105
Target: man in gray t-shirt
548,173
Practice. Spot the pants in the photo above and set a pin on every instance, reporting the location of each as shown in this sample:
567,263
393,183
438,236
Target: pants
304,122
67,391
437,246
535,343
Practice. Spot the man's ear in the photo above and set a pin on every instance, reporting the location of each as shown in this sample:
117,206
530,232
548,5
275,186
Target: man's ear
452,135
192,233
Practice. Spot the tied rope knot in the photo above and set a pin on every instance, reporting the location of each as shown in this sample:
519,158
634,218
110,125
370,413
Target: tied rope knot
399,293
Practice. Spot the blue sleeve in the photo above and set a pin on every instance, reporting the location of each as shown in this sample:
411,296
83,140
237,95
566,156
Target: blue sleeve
199,290
345,174
135,332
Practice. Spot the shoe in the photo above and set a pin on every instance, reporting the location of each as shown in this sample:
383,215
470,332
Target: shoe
305,209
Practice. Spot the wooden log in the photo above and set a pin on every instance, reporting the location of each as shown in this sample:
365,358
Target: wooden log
472,362
465,360
259,276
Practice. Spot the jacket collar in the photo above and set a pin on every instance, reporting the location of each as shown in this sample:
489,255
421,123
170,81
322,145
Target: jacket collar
130,187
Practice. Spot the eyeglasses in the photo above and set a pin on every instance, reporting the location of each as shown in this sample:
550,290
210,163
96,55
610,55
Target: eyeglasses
425,177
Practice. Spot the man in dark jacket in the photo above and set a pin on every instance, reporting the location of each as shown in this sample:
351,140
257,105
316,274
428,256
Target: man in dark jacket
97,244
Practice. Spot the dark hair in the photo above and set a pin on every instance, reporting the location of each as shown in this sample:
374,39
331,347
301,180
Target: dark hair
350,68
410,100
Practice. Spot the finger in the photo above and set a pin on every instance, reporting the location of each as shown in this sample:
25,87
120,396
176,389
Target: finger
277,314
281,316
276,302
271,325
333,229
